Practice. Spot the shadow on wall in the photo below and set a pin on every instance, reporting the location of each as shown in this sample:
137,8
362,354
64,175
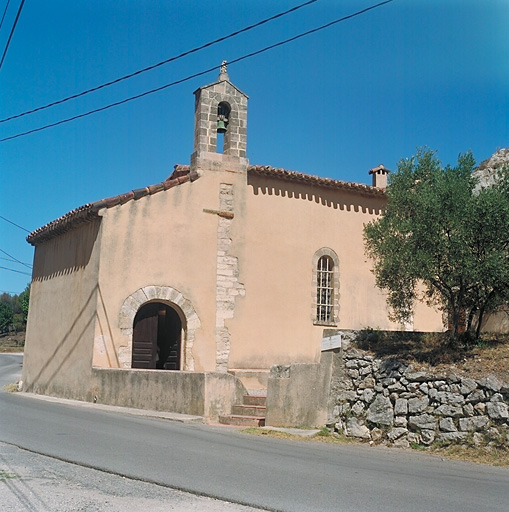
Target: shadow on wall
66,253
107,338
65,347
337,199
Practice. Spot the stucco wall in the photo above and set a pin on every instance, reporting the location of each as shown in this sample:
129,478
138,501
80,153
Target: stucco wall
247,273
284,225
169,239
62,315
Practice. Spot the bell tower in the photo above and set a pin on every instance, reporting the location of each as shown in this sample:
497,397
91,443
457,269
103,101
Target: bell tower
220,126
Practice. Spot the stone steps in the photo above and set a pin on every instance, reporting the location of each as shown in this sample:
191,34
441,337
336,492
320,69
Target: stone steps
257,411
255,400
250,413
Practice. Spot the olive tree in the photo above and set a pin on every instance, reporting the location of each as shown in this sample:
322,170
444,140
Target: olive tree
441,241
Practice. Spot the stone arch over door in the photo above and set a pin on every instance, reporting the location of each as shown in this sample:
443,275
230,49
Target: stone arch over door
166,295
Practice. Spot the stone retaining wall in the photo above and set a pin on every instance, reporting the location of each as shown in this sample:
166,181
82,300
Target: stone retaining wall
388,401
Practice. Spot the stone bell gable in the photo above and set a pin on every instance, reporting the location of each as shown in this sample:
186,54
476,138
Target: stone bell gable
220,126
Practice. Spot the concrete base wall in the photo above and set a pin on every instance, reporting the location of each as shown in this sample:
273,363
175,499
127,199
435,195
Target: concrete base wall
203,394
298,394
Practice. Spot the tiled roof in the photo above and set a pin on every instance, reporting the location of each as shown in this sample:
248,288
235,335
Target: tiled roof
182,174
90,211
309,179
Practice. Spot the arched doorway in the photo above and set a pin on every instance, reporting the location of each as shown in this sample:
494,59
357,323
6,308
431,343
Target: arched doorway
157,334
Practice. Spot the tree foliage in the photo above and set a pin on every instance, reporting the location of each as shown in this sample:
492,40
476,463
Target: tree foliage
6,315
441,235
14,310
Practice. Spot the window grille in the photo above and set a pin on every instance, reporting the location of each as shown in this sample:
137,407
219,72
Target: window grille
325,290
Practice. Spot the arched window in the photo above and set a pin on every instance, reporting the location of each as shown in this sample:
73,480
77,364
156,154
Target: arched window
325,287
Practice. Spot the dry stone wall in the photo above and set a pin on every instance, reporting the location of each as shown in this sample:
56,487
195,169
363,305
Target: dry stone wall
388,401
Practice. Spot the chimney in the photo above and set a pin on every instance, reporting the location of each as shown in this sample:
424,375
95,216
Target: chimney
380,174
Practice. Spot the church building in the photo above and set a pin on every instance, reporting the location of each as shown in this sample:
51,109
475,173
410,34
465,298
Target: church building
181,296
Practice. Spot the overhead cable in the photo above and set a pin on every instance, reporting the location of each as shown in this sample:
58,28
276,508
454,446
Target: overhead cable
12,32
14,224
15,259
166,61
3,15
17,271
195,75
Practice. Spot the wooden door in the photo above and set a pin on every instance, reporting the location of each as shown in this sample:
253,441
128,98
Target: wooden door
156,337
145,337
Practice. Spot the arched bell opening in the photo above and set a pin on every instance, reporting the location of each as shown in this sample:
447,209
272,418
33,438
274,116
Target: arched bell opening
157,337
223,118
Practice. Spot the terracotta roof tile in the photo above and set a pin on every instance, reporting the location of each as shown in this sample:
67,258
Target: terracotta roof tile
90,211
181,174
310,179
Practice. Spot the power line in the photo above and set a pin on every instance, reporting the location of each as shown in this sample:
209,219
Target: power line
12,32
7,259
14,224
171,84
17,271
166,61
3,15
15,259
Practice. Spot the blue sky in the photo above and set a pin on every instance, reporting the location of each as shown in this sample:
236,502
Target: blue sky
366,91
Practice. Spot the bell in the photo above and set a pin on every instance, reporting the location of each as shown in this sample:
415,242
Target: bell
221,127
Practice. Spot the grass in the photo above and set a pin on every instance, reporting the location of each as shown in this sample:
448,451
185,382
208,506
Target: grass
494,456
324,435
4,475
12,342
479,455
11,388
431,352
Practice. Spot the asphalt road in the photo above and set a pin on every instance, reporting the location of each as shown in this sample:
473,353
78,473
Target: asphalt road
30,482
257,471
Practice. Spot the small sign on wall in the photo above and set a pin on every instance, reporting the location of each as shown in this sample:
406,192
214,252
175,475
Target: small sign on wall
331,342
